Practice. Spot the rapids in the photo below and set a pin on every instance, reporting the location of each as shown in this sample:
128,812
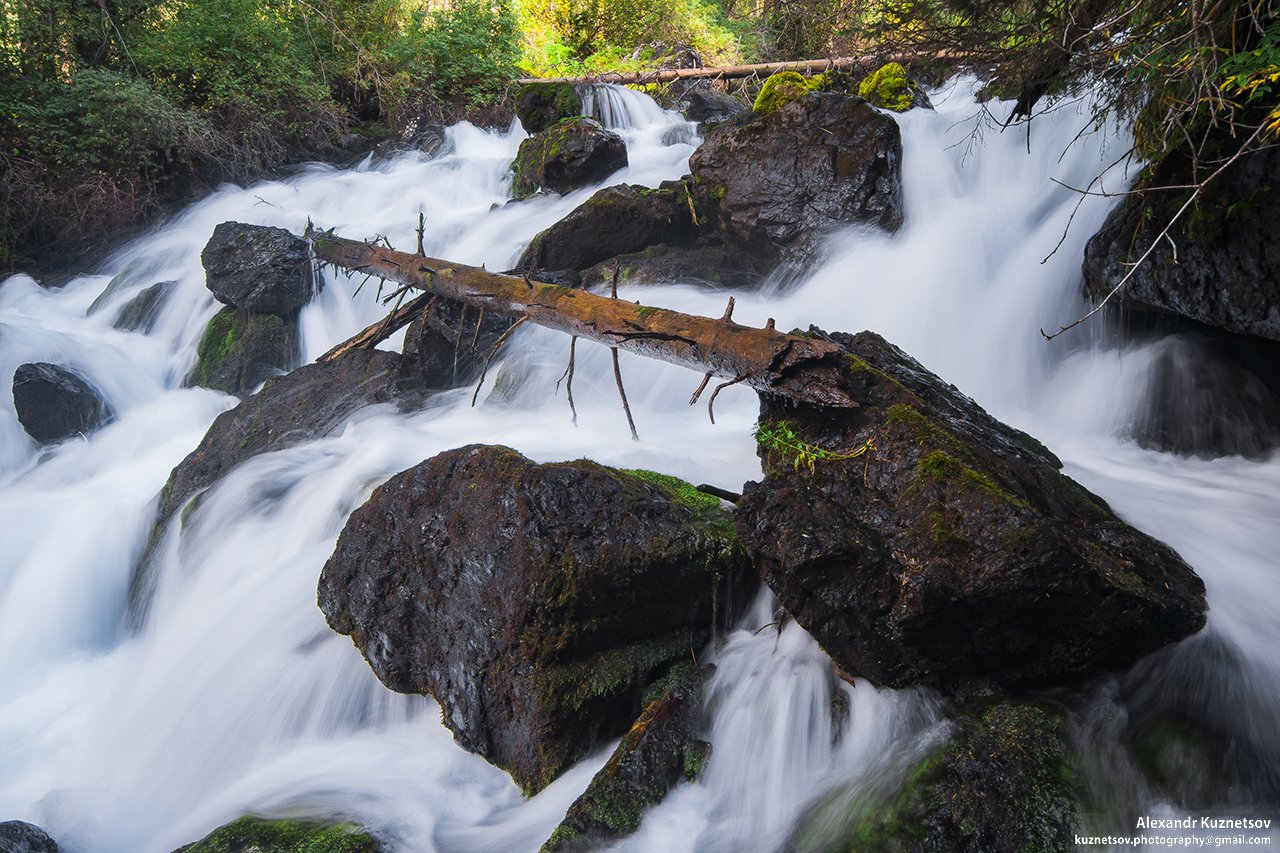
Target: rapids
234,696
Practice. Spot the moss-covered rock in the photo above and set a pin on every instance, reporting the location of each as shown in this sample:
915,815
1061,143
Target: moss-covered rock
540,105
659,750
572,153
1181,761
889,87
781,89
918,539
1003,784
239,351
534,602
258,835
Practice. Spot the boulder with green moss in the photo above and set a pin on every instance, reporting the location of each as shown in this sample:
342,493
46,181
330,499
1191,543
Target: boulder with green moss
920,540
567,155
659,750
540,105
260,835
776,183
1003,783
616,220
889,87
781,89
239,351
534,602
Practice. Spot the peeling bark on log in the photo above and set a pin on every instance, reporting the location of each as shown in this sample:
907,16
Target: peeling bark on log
803,369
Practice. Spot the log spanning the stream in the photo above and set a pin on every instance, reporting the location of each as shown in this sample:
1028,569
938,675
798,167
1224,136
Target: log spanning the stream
737,72
800,368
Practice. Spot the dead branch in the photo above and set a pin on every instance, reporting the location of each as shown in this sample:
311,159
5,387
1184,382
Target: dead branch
737,72
383,329
502,339
794,366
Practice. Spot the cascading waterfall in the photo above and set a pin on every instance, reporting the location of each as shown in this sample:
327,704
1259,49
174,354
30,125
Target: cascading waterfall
234,696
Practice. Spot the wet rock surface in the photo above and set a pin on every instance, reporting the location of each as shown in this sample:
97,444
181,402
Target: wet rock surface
53,403
260,835
140,313
541,105
1221,263
18,836
239,351
534,602
258,269
567,155
785,178
952,549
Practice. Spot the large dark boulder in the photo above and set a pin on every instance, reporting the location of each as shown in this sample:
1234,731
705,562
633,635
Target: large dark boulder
785,178
1221,263
258,269
239,351
953,550
569,154
534,602
659,750
307,404
540,105
259,835
615,221
53,403
17,836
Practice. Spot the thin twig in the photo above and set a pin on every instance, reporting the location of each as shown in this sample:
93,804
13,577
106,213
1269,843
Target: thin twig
422,230
701,387
568,374
502,339
1164,233
711,404
622,392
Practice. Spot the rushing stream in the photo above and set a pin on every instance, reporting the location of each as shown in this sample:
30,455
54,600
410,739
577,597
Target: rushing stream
234,696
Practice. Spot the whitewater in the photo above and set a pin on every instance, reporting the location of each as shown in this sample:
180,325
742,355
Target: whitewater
233,696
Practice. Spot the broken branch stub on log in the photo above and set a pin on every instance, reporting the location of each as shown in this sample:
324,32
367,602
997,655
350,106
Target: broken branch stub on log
800,368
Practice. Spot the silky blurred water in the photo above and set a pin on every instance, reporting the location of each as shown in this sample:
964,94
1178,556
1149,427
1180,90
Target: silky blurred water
234,696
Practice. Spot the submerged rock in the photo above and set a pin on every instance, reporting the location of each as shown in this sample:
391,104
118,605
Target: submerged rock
307,404
541,105
1002,784
615,221
239,351
660,749
18,836
258,269
534,602
1221,262
139,313
570,154
952,549
53,403
780,181
259,835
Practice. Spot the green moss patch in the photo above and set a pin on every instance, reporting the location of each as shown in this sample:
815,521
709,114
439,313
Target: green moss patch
682,492
284,836
888,87
782,88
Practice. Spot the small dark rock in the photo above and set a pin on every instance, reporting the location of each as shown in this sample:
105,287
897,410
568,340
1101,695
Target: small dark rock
239,351
1221,263
703,105
139,313
541,105
660,749
615,221
258,269
259,835
567,155
53,403
953,550
1183,762
19,837
534,602
783,179
447,346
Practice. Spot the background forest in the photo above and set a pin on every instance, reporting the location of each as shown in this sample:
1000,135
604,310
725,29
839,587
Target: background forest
112,111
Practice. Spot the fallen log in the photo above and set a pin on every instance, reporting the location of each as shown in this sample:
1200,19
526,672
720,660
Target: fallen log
733,72
800,368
